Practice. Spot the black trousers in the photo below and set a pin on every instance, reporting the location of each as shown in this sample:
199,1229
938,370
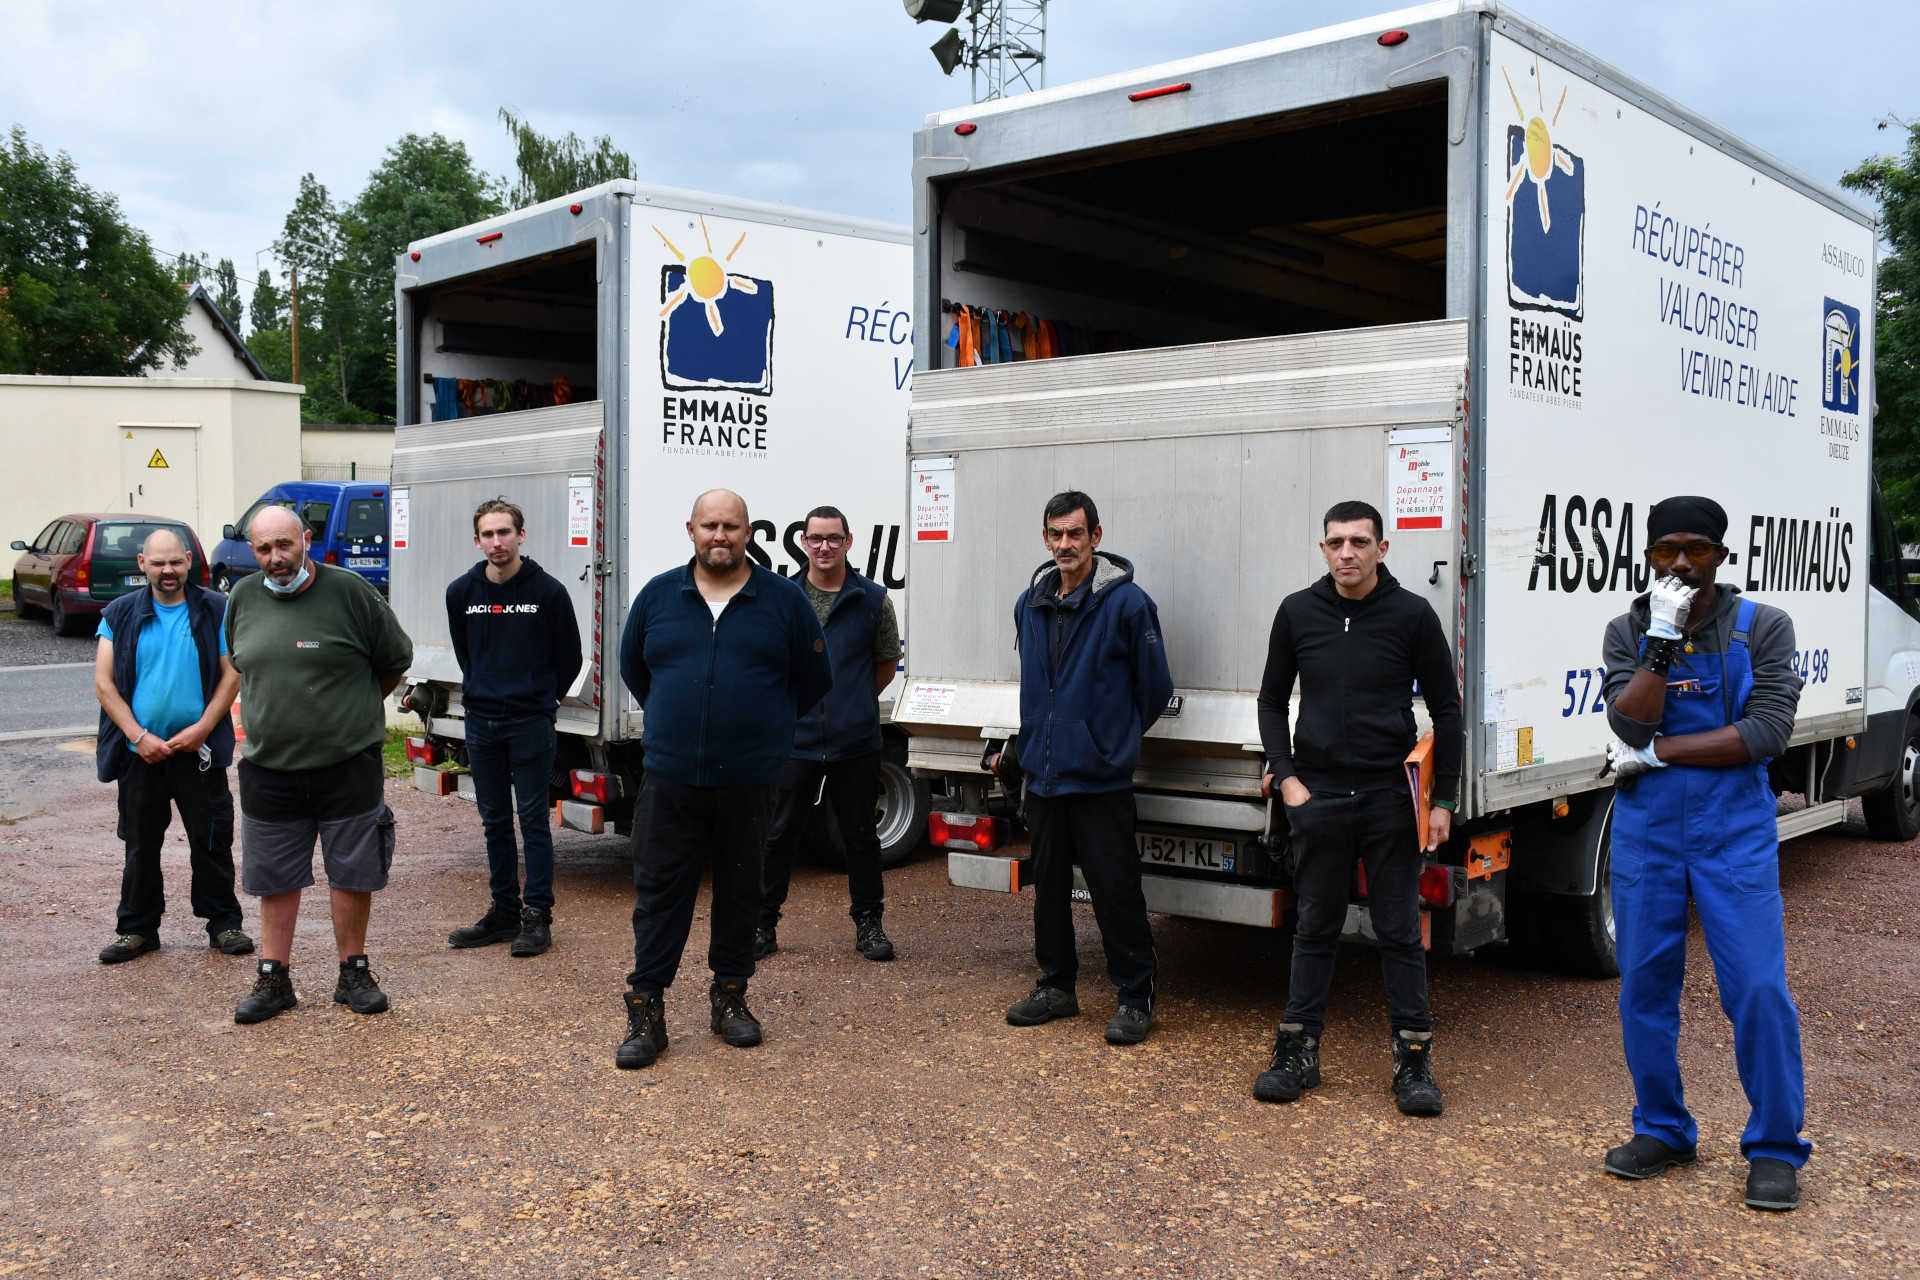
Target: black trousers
1095,831
148,795
1330,832
850,787
677,832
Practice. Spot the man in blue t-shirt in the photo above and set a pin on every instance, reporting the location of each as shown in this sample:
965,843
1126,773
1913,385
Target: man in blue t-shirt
165,686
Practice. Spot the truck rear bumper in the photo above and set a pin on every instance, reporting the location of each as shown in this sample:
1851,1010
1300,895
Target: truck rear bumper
1166,895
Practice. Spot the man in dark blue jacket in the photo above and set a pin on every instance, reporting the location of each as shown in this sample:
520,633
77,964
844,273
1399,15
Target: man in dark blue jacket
722,657
836,746
165,686
1093,678
518,644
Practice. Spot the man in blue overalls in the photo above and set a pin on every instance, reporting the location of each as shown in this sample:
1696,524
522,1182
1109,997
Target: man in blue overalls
1701,692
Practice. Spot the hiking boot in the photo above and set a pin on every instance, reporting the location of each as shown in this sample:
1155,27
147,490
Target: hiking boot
271,996
764,943
646,1031
357,988
1128,1025
1644,1157
1772,1184
536,932
231,942
1295,1067
127,946
1043,1004
732,1020
869,939
498,925
1414,1091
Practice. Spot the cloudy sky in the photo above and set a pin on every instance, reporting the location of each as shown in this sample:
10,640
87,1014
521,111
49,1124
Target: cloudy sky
201,116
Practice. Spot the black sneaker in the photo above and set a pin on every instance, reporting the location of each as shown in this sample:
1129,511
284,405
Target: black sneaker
536,932
498,925
127,946
646,1032
1772,1184
764,943
869,939
1645,1156
271,996
1129,1025
231,942
1414,1091
1043,1004
732,1020
357,988
1295,1067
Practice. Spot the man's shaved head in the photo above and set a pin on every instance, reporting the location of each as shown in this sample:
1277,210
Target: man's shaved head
160,540
720,495
269,521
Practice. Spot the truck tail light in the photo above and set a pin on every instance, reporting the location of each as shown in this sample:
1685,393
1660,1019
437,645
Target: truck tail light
422,751
963,831
588,785
1436,886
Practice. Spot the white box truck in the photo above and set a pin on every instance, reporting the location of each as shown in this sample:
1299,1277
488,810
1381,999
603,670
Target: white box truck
1447,263
600,360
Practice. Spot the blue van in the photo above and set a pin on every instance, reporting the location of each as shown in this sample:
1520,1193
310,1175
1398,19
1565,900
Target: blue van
348,521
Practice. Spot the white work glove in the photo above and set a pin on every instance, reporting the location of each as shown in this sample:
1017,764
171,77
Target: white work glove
1630,762
1667,603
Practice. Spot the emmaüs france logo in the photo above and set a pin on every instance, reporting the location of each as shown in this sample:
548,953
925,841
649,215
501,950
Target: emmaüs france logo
716,331
1546,210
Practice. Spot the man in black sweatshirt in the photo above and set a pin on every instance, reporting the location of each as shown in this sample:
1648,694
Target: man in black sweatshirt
519,650
1357,641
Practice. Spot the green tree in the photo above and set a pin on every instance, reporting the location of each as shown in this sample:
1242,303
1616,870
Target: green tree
189,269
1895,183
226,291
269,306
81,292
554,167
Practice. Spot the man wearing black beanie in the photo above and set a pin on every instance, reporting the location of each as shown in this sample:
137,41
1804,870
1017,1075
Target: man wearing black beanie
1701,693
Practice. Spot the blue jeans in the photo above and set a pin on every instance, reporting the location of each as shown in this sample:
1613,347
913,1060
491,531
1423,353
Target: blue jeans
512,764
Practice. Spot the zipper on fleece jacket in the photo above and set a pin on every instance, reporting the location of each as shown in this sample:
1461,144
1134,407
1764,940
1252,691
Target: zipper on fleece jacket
713,659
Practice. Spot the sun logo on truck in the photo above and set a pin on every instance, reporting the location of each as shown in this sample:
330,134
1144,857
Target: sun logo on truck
716,325
1546,234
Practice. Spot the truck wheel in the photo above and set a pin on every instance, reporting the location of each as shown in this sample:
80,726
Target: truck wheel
900,813
1894,814
1583,928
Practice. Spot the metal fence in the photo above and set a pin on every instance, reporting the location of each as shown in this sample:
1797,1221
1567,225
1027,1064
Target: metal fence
345,471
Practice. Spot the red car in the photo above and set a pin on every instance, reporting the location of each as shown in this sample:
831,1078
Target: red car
79,563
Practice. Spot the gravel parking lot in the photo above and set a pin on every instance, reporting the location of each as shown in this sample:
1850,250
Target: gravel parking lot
892,1124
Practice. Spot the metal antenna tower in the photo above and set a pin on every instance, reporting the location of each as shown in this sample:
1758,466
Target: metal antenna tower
1007,49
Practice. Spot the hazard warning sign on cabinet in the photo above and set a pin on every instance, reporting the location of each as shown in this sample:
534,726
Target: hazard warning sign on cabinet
157,460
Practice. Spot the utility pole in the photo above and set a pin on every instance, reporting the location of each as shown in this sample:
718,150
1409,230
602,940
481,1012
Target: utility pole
294,296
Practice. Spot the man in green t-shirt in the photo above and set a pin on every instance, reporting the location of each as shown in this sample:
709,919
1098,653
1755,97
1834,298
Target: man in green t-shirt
318,651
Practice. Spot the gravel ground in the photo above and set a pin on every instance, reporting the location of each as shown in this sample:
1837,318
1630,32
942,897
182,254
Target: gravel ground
32,642
893,1124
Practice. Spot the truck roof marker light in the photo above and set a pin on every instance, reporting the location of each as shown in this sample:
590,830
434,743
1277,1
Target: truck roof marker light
1392,38
415,255
488,239
966,128
574,209
1165,89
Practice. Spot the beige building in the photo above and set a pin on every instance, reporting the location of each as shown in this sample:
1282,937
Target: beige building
346,451
198,449
222,354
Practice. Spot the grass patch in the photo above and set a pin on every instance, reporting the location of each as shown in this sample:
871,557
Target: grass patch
6,590
394,753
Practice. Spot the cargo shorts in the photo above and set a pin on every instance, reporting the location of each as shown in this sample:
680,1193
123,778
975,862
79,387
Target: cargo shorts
281,814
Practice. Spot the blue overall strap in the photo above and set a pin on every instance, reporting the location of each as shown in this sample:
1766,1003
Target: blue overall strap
1742,624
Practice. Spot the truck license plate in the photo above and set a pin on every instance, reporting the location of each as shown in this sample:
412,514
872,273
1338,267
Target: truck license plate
364,562
1193,852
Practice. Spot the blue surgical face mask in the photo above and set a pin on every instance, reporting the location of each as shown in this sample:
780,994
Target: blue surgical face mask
299,580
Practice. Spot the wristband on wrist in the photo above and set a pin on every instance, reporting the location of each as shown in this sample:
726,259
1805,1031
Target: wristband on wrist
1656,655
137,741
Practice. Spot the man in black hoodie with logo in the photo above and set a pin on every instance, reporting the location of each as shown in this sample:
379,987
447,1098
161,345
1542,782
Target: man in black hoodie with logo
1357,642
519,650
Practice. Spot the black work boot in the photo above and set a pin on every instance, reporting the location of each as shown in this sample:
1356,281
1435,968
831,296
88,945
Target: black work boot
127,946
1645,1156
1043,1004
499,924
646,1031
1295,1067
765,943
357,988
1414,1091
272,994
1772,1184
869,939
732,1020
536,932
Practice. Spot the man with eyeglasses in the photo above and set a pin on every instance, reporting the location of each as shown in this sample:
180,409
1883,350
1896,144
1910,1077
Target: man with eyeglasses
1357,642
165,684
1701,693
836,746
